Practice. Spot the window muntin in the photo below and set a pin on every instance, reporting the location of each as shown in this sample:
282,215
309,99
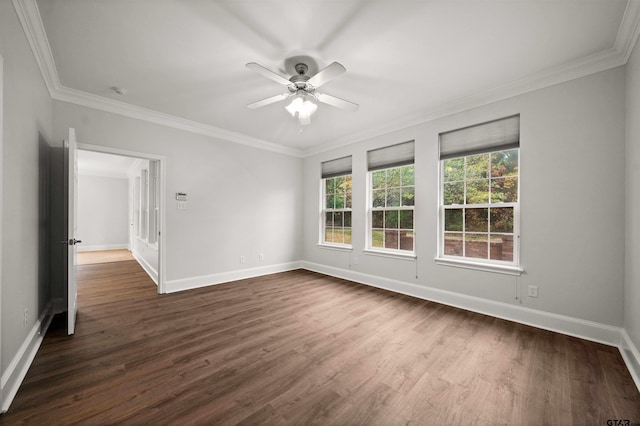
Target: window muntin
480,207
392,194
336,211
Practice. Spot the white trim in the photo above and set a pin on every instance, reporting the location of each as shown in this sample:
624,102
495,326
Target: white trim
584,329
582,67
29,16
159,275
391,254
478,266
1,200
173,286
336,247
17,369
626,39
31,21
100,247
629,30
117,151
89,100
631,356
150,270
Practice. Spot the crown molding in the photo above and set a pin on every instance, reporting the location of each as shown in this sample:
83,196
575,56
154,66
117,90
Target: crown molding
29,16
582,67
629,30
78,97
628,33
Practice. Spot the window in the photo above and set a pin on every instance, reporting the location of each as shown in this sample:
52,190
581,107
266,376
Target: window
336,202
391,198
153,202
136,204
146,202
479,193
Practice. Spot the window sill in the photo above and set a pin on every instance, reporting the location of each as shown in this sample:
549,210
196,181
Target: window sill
390,254
335,247
486,267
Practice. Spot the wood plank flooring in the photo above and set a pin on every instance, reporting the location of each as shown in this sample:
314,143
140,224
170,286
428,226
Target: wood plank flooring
302,348
103,256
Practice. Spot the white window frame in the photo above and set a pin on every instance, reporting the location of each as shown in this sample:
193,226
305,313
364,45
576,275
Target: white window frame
370,249
153,208
144,204
491,265
324,210
136,203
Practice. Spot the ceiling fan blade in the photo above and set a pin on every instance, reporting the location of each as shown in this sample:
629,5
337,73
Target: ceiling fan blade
336,102
268,73
331,71
268,101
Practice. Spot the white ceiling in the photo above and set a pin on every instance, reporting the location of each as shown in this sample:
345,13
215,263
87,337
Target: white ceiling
407,61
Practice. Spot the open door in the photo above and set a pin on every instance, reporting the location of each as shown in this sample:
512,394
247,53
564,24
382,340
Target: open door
72,196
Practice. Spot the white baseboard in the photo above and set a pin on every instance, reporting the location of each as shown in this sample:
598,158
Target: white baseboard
589,330
82,247
631,356
150,270
223,277
17,370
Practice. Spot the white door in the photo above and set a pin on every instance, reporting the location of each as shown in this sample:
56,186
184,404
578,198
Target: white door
72,191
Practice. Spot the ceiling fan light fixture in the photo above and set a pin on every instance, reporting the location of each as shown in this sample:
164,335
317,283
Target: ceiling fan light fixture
302,108
295,106
307,109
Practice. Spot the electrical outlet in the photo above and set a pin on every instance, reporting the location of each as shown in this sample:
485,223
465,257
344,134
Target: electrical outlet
261,256
355,260
533,291
243,259
26,317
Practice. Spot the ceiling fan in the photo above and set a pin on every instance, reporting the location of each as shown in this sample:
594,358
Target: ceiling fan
302,88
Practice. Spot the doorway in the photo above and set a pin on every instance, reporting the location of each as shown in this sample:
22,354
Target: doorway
122,209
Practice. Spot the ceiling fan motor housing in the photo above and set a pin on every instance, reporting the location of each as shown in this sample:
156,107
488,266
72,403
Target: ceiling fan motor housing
300,79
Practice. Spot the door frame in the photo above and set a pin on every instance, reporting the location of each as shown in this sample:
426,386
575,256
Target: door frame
162,177
2,401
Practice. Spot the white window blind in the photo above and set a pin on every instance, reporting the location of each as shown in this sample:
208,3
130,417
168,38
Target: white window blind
337,167
391,156
494,135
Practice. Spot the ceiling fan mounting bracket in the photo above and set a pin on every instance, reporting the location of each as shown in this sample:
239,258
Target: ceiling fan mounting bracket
301,68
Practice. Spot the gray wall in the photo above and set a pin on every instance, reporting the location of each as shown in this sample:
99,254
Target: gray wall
242,201
27,134
103,212
632,222
572,193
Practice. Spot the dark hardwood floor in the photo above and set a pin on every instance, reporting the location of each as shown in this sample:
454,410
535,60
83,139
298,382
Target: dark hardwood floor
300,348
